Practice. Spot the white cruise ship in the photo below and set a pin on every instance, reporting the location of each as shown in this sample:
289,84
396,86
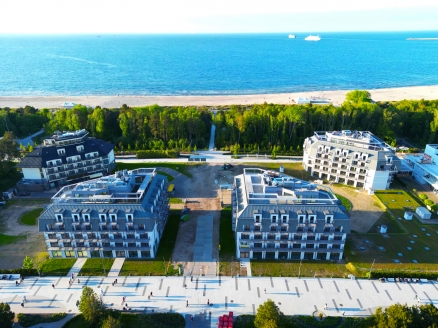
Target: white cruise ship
292,36
313,38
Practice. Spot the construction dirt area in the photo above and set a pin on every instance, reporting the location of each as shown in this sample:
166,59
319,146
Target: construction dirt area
32,243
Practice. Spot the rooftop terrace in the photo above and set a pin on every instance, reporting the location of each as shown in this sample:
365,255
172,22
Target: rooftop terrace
121,187
258,186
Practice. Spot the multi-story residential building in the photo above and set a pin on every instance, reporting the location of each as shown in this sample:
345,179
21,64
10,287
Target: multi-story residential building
425,166
280,217
356,158
64,157
121,215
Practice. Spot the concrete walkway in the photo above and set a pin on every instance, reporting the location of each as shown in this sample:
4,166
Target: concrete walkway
245,263
242,295
77,266
117,266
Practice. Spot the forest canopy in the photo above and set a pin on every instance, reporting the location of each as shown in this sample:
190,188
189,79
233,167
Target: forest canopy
255,128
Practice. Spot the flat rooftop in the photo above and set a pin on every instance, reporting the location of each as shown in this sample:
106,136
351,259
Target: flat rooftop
263,186
361,139
121,187
63,137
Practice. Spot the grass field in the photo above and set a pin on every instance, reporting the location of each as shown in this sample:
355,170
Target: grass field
173,200
7,239
405,241
292,269
56,267
227,265
96,266
30,218
345,202
160,265
179,167
169,177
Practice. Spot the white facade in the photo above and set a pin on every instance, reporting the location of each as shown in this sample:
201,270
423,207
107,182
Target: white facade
32,173
423,213
356,158
425,166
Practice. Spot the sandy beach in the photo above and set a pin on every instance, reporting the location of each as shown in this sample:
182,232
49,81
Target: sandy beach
336,97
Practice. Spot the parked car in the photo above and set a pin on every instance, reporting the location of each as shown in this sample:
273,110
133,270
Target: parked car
185,211
24,193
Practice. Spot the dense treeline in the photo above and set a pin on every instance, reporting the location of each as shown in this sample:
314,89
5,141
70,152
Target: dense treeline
143,128
258,128
262,127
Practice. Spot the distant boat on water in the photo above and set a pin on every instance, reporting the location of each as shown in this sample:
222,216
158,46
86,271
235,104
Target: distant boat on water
421,39
313,38
292,36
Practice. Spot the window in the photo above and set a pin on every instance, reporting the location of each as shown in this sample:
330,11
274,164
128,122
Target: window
301,219
56,254
113,217
61,152
58,217
329,219
312,219
129,217
258,218
274,218
284,218
102,217
86,217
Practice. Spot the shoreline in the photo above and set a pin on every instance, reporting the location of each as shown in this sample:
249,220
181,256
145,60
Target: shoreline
335,96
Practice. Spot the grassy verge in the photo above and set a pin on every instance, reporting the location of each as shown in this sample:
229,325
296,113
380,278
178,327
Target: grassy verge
30,218
7,239
227,265
179,167
292,269
95,267
169,177
173,200
160,265
345,202
55,267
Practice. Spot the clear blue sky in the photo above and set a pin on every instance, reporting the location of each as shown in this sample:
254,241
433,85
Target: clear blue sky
207,16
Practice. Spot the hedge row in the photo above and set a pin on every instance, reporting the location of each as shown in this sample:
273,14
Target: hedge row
23,272
404,274
141,154
27,320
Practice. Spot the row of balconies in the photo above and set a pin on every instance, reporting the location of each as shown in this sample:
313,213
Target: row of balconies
66,236
291,246
334,238
98,244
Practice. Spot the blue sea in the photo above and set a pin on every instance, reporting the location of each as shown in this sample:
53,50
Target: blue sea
213,64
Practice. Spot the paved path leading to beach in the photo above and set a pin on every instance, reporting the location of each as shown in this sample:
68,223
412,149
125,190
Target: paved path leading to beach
242,295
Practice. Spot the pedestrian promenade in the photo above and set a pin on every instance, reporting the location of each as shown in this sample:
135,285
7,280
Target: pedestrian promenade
116,267
241,295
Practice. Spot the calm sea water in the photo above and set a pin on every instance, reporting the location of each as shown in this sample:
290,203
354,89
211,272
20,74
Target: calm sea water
213,64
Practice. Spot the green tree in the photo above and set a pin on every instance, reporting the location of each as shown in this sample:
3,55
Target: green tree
110,322
27,263
90,306
268,315
39,260
6,315
357,97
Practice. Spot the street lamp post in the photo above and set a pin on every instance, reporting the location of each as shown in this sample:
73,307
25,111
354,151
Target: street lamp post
299,270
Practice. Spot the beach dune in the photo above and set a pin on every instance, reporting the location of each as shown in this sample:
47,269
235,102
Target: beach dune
335,96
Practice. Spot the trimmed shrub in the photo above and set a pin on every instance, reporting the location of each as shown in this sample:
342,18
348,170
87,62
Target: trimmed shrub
27,320
404,274
422,196
142,154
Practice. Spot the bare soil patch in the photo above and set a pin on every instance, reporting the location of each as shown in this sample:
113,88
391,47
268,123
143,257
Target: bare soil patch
12,255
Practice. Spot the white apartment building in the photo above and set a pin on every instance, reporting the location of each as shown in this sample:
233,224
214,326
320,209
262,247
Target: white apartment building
425,166
281,217
356,158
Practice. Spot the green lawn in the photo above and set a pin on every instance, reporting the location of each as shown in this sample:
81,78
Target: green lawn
345,202
169,177
228,266
7,239
30,218
179,167
56,267
272,268
160,265
409,238
173,200
96,266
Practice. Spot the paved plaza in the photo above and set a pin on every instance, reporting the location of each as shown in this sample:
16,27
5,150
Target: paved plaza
242,295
